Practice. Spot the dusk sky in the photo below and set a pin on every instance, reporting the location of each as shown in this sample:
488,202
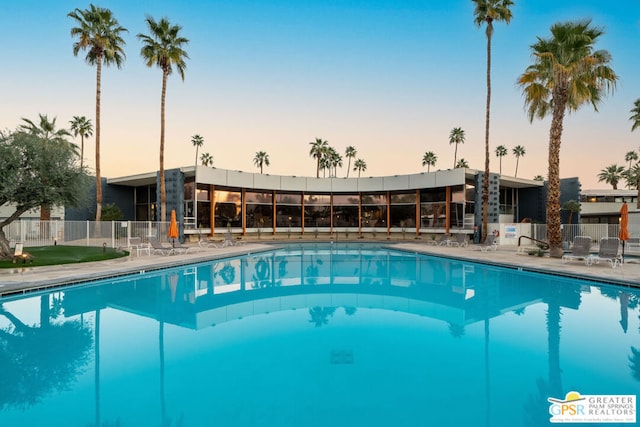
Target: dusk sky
390,77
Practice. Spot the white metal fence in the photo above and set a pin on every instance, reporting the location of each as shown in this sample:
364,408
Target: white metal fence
83,233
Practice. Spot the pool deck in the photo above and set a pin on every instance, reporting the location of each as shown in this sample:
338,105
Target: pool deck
21,280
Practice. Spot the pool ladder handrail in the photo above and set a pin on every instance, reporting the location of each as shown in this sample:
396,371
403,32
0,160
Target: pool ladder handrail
545,245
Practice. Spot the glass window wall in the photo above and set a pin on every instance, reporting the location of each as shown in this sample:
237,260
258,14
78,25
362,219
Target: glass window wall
288,210
228,208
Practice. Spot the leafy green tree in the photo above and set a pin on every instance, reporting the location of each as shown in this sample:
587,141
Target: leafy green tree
538,178
261,159
487,12
82,126
100,34
462,163
111,212
572,206
350,153
317,151
34,173
206,159
360,166
164,47
518,151
611,175
566,73
429,159
456,137
501,151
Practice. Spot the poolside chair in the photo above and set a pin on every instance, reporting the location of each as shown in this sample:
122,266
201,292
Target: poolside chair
581,249
461,240
181,249
229,241
608,252
135,243
440,241
157,247
206,241
489,243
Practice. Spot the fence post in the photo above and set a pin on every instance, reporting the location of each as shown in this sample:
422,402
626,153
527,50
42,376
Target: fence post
113,234
87,232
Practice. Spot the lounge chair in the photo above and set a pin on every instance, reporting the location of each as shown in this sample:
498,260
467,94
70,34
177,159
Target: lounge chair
135,243
489,243
162,249
207,242
440,241
581,249
461,240
608,251
229,241
180,248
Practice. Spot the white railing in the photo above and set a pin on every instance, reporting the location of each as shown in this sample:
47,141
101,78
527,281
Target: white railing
83,233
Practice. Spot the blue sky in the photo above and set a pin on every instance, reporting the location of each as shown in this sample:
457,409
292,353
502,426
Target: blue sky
390,77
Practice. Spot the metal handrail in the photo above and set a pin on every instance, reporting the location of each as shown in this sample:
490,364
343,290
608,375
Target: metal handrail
542,242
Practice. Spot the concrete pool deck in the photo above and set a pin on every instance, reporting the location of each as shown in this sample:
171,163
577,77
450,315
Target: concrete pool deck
15,281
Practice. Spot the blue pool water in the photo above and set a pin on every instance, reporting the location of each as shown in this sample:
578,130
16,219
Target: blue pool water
315,336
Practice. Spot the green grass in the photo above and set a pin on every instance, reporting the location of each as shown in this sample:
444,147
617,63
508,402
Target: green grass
55,255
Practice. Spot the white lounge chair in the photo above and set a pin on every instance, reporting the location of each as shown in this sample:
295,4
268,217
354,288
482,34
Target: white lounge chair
135,243
461,240
162,249
608,251
489,243
580,251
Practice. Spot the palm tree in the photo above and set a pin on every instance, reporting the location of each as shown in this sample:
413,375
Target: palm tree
518,151
632,177
462,163
567,72
631,156
100,34
350,153
488,11
611,175
429,159
164,48
197,142
261,159
501,151
360,166
318,148
334,159
456,137
82,126
635,117
206,159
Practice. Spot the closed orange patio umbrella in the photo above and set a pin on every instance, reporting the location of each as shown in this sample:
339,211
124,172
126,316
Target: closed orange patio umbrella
624,226
173,227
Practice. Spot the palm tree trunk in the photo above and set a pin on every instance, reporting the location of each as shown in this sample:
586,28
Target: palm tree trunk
318,167
517,161
485,186
553,190
349,167
98,179
163,190
81,150
455,155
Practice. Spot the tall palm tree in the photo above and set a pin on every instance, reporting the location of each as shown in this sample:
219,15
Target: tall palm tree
635,115
611,175
206,159
360,166
566,73
197,141
82,126
100,34
456,137
462,163
164,47
334,159
429,159
518,151
261,159
631,156
318,148
632,177
501,151
350,153
489,11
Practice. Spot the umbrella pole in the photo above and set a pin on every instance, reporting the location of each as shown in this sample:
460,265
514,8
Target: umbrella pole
622,260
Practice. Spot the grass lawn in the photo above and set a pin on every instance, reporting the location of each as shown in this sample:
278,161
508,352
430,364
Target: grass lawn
54,255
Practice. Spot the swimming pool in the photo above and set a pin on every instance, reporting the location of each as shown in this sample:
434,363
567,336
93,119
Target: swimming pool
316,335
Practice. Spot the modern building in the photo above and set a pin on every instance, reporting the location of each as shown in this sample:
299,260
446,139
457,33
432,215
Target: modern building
243,202
603,206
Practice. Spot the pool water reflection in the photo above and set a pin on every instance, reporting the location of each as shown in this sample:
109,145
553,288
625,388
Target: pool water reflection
315,335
